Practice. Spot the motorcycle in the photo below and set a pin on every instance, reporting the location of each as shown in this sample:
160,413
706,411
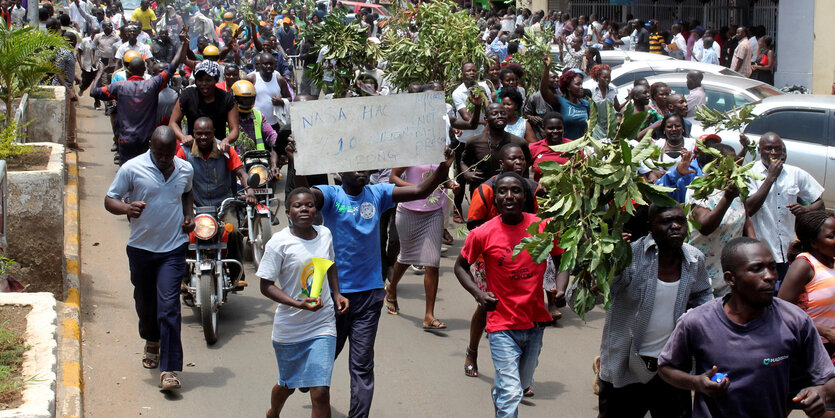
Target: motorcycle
258,224
208,282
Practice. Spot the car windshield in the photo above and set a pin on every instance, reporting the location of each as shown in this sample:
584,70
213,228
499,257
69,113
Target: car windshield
764,91
728,71
130,4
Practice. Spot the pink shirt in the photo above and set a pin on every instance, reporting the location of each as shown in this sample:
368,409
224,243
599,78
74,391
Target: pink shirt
416,175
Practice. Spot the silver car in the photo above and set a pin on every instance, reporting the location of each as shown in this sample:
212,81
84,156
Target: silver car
806,122
628,72
723,93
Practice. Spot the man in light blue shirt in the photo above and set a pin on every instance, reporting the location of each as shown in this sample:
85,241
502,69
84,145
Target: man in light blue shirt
161,216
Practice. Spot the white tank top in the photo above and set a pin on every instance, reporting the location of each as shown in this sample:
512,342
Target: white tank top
265,90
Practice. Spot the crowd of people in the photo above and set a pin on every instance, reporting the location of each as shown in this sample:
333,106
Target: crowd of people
184,82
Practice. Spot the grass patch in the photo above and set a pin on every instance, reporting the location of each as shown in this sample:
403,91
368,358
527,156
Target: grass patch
12,347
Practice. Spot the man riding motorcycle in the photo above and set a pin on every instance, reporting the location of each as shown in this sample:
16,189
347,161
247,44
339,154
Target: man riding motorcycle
214,182
251,122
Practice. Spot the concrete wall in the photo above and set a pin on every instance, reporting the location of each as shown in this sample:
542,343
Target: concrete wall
823,72
35,224
49,118
794,49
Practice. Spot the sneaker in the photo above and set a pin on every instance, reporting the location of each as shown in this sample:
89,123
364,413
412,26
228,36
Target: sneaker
114,148
417,269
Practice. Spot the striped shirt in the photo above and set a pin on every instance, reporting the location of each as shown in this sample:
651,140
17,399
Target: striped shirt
819,299
655,41
633,298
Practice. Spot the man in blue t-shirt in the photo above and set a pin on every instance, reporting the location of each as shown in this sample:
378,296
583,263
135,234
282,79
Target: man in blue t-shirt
352,212
753,352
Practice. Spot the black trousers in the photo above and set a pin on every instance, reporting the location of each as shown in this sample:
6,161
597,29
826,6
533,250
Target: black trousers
358,326
657,397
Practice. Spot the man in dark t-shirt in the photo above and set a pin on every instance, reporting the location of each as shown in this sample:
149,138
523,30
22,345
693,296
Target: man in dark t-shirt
748,346
206,100
480,160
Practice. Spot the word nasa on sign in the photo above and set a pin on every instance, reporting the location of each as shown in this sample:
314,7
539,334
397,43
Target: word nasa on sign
368,133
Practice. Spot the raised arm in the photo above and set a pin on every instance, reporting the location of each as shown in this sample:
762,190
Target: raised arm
755,200
426,187
544,87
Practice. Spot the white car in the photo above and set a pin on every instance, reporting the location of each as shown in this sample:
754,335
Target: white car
628,72
618,57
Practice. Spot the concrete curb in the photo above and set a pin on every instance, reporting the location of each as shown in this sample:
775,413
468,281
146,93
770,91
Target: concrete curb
69,392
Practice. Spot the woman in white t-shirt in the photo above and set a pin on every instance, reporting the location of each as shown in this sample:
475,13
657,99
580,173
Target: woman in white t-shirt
304,328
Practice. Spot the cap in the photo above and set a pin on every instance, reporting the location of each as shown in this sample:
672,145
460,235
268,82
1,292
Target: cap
609,41
211,68
710,137
286,20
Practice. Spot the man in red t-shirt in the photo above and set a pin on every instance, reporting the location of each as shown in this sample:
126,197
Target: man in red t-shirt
513,299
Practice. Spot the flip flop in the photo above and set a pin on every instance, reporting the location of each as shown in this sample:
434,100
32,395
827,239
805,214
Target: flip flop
391,306
435,324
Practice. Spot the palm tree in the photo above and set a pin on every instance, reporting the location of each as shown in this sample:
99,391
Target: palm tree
26,57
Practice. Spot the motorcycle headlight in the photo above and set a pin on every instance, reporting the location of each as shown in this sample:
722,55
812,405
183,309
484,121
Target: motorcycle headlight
205,227
262,172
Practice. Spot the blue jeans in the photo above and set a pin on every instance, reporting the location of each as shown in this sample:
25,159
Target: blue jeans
515,356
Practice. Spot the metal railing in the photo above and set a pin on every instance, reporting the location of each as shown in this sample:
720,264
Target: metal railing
18,117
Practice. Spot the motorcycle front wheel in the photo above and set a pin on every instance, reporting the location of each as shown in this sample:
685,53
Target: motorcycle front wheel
262,233
208,307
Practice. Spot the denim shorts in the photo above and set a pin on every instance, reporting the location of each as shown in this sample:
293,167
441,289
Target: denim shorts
307,363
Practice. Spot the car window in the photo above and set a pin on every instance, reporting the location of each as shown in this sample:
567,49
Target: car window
630,77
722,101
764,91
800,125
682,90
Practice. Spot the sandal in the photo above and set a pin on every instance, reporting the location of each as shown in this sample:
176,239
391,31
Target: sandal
150,360
391,304
435,324
471,370
457,218
168,381
447,238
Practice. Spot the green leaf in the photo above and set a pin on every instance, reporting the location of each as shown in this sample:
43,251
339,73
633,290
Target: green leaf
570,147
626,150
612,128
631,126
657,194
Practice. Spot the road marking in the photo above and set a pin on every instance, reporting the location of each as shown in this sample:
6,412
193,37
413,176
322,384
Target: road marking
73,298
72,374
71,329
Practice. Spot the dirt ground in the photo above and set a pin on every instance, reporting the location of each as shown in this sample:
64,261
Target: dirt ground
35,160
12,318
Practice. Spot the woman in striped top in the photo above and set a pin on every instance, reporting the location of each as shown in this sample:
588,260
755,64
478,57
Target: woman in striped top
810,281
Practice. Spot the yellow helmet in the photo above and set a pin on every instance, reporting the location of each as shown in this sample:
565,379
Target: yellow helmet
243,88
228,16
211,51
244,93
129,56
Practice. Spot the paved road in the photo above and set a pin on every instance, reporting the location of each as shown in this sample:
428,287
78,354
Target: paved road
418,373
